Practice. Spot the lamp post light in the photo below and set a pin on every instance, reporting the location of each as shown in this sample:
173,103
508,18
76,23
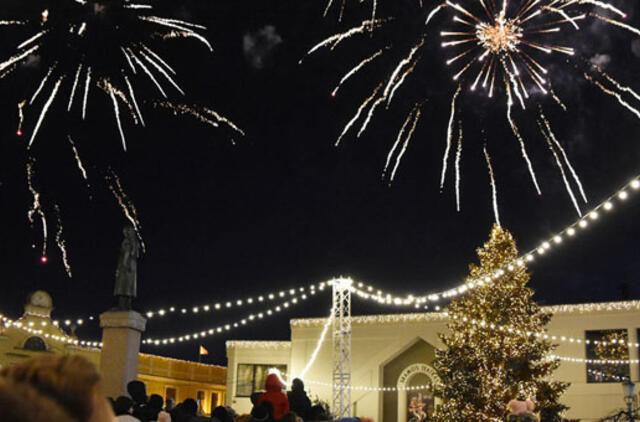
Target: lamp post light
629,389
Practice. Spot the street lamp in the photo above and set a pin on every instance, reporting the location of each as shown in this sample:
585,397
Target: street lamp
629,389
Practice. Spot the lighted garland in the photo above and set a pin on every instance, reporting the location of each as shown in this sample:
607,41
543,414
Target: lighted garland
7,322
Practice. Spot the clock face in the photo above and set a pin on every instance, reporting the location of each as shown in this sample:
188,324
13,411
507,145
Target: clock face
41,299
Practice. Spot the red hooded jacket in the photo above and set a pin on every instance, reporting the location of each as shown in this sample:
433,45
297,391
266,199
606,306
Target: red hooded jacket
275,396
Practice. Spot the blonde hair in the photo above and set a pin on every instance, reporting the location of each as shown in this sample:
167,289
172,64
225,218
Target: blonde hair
70,381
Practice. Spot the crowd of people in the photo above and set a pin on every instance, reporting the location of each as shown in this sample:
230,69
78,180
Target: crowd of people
67,389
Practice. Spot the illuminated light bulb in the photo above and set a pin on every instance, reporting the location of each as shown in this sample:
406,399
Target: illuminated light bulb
67,322
635,184
557,239
239,303
593,215
228,304
623,195
30,323
608,206
149,314
281,294
541,251
271,296
571,231
546,245
260,298
161,312
530,258
249,300
195,310
80,322
217,306
206,308
292,292
583,223
184,311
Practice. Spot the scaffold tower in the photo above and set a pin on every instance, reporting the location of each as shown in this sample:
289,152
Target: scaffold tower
342,347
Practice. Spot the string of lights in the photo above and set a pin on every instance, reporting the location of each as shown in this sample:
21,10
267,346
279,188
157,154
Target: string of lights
30,328
369,292
545,247
228,327
257,299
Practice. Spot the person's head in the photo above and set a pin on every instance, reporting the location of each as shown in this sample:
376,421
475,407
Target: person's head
189,407
262,412
255,397
222,414
297,385
137,391
273,383
170,404
20,402
71,381
123,406
156,401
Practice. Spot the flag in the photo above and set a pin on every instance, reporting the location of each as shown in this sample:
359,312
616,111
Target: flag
203,351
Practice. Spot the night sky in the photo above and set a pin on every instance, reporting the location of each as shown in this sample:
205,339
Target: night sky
283,207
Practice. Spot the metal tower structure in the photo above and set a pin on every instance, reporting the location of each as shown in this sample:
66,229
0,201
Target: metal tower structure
341,328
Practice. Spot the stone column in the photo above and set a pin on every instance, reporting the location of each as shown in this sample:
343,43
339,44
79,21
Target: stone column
121,332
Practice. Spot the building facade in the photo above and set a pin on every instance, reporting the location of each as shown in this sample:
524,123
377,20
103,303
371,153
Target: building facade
37,335
394,352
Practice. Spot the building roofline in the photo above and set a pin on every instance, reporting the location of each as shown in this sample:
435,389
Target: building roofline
250,344
581,309
182,360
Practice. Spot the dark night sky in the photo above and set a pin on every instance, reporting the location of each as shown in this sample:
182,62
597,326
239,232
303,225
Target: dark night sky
284,208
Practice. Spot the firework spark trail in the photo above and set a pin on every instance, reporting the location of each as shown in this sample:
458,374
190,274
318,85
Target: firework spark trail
356,69
159,59
416,118
618,24
45,109
127,206
618,85
558,100
36,206
336,39
61,243
372,110
616,95
410,122
401,80
133,99
355,118
523,148
42,84
567,184
149,74
494,189
76,155
74,86
180,26
452,116
393,79
17,58
600,4
434,12
21,105
86,93
564,155
458,158
162,71
200,113
116,110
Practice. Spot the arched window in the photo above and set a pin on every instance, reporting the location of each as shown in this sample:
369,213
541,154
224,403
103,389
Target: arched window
35,343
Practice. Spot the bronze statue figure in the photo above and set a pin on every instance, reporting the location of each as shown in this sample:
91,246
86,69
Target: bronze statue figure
127,270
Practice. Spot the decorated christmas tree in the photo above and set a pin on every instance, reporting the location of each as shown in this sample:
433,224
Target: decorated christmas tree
491,354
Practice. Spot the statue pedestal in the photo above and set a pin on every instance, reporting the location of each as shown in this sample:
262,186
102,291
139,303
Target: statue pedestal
121,332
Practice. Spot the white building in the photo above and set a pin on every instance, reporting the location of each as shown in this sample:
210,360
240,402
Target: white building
397,351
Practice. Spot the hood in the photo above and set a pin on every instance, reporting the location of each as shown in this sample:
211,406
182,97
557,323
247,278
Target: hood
273,383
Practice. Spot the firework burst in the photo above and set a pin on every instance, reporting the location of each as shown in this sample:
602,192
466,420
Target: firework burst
500,47
106,46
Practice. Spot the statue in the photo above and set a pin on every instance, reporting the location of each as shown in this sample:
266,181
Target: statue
127,270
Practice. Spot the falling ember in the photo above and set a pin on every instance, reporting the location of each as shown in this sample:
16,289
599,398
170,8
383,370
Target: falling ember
458,159
44,259
20,117
449,137
127,206
494,189
407,130
36,207
76,155
202,114
61,243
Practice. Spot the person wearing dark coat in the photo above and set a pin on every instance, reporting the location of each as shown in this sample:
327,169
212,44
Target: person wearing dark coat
138,393
298,400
